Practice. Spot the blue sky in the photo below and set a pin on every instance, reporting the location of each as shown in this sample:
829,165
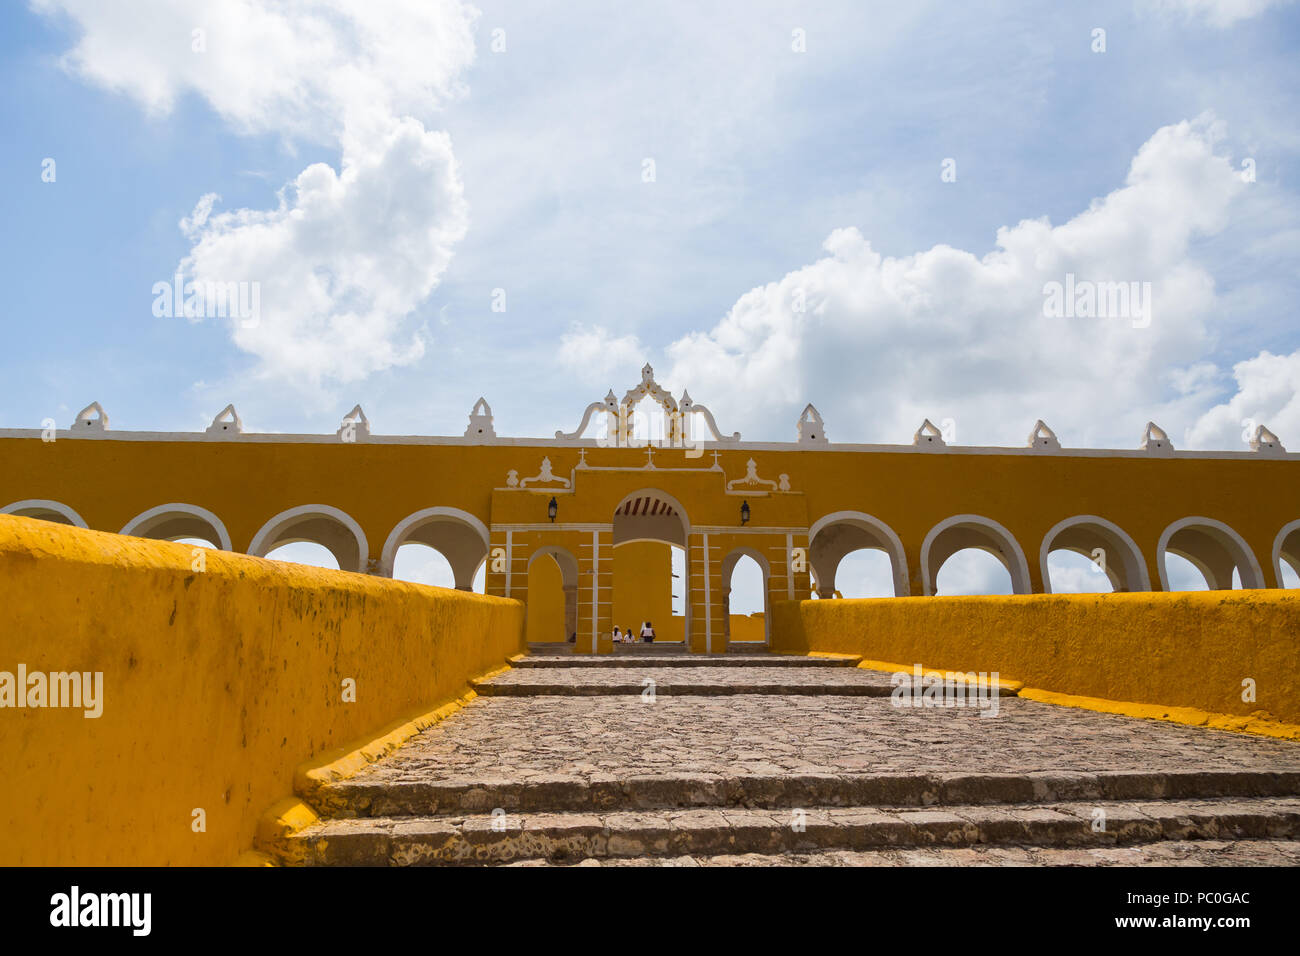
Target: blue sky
776,169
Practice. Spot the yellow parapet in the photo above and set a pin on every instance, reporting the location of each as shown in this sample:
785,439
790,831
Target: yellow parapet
216,676
1233,654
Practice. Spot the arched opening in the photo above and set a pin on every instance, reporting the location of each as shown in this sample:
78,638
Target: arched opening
421,564
836,536
865,573
745,602
188,524
458,536
1218,553
648,527
973,573
305,552
1286,555
321,525
552,615
44,510
1088,554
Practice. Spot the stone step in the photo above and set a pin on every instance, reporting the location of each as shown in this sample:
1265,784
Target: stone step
504,838
689,681
365,797
1199,853
676,659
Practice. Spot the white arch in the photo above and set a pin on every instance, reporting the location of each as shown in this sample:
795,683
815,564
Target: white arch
1135,564
1013,559
1251,574
403,528
258,547
728,567
18,509
223,536
662,495
563,557
897,556
1287,529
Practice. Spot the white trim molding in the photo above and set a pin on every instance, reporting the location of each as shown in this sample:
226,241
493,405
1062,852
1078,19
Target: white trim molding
1014,561
402,529
176,508
1135,565
1252,576
1278,541
42,504
259,543
897,554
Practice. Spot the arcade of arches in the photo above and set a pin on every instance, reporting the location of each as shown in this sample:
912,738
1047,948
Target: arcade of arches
601,526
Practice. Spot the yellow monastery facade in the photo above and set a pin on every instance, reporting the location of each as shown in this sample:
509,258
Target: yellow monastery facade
579,526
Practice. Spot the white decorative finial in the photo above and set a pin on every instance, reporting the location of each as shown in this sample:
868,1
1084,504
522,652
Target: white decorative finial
480,426
1155,441
226,423
1042,438
811,428
1265,442
928,437
92,418
354,425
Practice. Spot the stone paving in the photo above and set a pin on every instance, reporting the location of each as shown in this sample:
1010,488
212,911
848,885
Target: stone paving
578,764
526,737
594,681
1198,853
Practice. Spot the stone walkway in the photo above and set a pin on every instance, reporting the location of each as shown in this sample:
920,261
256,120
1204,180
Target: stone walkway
541,736
576,763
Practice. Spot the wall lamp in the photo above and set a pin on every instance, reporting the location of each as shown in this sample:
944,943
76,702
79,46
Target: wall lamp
551,509
744,512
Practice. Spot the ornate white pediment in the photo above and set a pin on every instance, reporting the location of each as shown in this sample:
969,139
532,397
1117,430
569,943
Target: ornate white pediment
677,414
751,481
544,477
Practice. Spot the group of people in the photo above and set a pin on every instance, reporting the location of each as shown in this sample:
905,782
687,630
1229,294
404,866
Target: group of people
627,637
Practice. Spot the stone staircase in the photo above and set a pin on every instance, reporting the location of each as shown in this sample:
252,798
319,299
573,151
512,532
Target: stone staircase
760,759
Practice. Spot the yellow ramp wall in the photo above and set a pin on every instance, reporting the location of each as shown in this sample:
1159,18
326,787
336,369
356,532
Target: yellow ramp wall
1181,649
216,685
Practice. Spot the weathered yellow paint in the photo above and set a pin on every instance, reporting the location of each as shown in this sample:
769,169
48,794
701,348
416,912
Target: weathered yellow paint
1170,650
1178,715
217,685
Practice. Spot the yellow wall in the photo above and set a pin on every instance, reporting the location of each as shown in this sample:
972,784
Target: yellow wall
217,684
1180,649
545,601
748,627
643,586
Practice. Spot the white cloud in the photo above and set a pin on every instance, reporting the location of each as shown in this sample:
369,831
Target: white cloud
347,256
301,68
1218,13
343,259
882,343
1268,393
596,356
